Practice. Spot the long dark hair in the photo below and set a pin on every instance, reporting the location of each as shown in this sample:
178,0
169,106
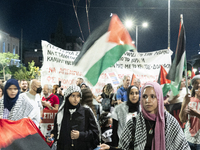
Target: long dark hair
108,89
87,98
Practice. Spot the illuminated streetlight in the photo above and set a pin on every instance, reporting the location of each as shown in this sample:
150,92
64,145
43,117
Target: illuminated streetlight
145,24
129,24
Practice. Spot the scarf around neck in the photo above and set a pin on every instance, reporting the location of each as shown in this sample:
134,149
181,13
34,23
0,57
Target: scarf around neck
158,142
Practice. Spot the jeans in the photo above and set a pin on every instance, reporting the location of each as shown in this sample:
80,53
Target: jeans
194,146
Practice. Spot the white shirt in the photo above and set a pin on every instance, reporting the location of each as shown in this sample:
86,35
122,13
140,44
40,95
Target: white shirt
37,105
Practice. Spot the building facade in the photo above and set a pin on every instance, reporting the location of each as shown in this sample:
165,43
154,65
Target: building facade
8,43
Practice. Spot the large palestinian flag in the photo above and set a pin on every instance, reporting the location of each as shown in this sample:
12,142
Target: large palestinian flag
179,64
103,48
20,135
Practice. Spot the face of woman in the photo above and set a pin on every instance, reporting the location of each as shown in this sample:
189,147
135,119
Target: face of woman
74,98
149,100
12,91
134,95
196,87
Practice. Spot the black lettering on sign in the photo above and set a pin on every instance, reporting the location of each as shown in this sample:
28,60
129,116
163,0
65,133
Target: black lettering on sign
166,65
120,66
134,66
141,54
147,54
161,52
49,52
55,59
127,59
127,66
69,62
156,66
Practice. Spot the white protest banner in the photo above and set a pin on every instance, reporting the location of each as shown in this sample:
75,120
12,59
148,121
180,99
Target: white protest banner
58,66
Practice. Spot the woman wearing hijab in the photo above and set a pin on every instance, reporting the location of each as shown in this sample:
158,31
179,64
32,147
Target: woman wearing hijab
190,108
154,128
13,106
123,112
74,126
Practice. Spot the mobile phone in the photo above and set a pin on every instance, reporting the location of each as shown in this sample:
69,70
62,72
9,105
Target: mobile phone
59,84
98,147
51,139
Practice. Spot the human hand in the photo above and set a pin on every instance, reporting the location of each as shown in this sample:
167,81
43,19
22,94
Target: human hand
192,111
119,102
47,139
166,102
74,134
187,98
45,103
104,147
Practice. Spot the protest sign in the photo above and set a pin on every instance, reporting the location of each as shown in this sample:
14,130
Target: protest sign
58,66
47,121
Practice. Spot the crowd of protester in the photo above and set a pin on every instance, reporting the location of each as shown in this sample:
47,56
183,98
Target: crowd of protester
133,117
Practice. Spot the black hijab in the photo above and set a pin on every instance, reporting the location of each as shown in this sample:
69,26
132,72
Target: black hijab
10,102
133,107
68,105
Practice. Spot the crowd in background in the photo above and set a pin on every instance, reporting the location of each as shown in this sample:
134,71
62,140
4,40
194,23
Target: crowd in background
134,117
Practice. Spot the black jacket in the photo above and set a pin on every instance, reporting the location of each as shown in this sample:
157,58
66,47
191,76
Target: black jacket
83,121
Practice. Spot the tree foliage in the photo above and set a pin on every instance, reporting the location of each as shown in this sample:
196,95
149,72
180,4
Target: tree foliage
32,72
5,59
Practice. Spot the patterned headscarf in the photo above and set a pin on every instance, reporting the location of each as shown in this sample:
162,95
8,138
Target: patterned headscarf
71,89
10,102
159,137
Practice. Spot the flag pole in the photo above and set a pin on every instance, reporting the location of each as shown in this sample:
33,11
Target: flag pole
186,80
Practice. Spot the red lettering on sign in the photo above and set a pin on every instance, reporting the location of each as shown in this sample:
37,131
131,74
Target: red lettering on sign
52,70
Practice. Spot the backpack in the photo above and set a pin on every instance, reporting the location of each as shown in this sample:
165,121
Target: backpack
106,104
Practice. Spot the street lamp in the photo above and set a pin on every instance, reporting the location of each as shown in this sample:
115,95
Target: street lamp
129,24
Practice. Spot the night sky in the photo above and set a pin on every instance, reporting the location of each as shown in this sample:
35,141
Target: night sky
39,18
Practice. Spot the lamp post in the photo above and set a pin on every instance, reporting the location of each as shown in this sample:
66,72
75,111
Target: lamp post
129,25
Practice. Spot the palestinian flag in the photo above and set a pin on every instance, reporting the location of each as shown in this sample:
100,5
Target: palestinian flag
103,48
179,64
165,83
132,80
20,135
193,74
